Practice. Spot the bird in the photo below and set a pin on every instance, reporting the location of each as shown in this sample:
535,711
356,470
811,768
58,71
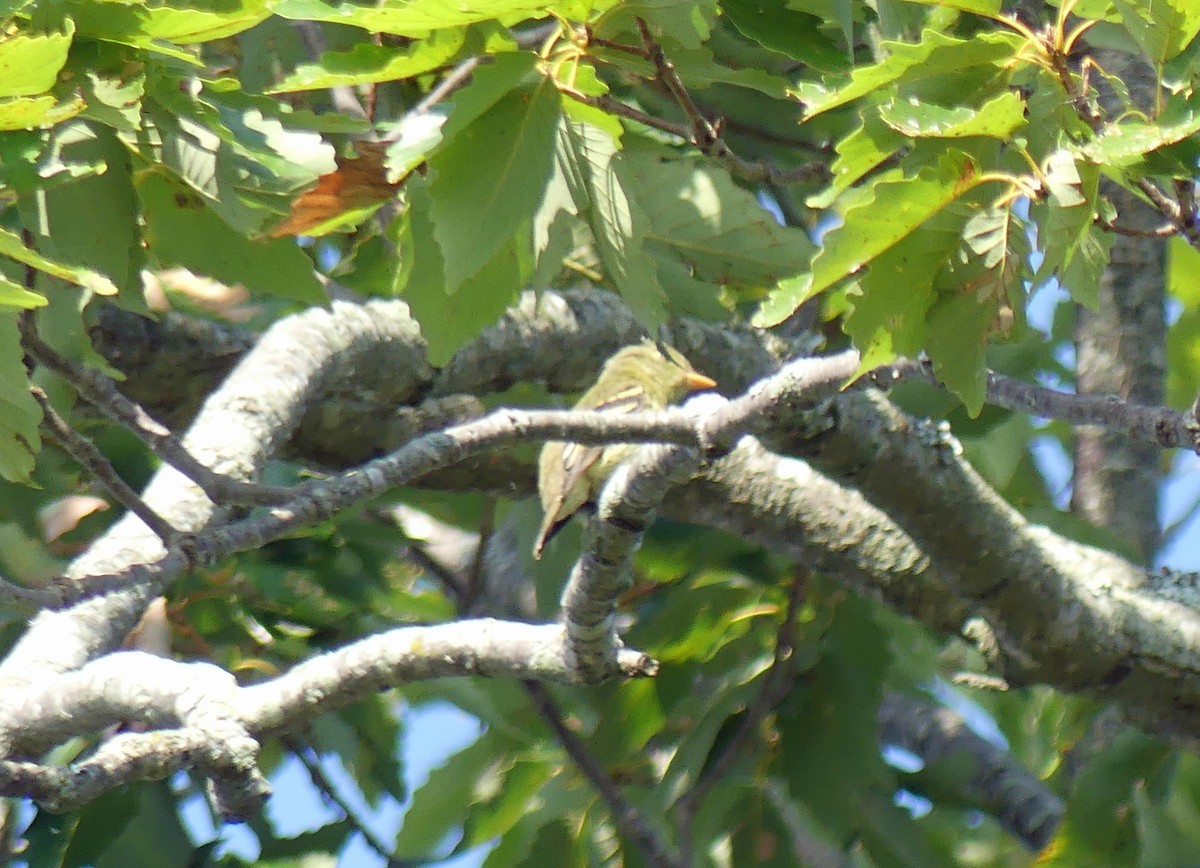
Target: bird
645,376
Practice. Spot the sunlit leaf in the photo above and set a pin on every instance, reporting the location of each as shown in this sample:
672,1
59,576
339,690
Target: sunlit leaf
489,178
894,209
30,63
367,63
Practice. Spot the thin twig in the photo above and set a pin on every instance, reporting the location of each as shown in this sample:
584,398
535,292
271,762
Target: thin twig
94,461
99,391
776,684
635,50
1185,196
632,822
753,172
487,527
1161,426
312,765
1180,216
706,135
457,77
1164,231
343,97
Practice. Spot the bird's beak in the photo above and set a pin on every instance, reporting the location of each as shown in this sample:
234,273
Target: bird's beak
697,382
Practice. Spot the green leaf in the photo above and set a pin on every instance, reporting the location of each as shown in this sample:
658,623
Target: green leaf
859,152
997,118
26,113
92,221
411,19
1183,338
891,301
416,137
13,247
717,229
989,8
894,209
506,73
368,63
774,24
151,25
1126,144
523,782
15,295
1100,824
587,164
828,733
1064,219
19,413
958,330
30,63
182,230
935,54
490,177
450,319
155,835
1081,277
447,798
1161,28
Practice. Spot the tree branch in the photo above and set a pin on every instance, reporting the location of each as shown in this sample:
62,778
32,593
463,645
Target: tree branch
632,822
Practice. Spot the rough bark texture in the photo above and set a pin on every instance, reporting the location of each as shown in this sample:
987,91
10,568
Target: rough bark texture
1121,350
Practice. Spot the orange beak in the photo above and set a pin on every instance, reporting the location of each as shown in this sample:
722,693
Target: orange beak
697,382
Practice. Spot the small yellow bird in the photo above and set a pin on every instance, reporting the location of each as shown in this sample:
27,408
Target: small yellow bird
637,378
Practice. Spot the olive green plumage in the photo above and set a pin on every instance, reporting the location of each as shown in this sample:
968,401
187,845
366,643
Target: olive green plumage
637,378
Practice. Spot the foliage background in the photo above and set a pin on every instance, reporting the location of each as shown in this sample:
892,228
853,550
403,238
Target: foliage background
933,166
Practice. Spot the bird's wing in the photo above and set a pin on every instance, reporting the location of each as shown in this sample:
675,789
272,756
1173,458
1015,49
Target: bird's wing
577,459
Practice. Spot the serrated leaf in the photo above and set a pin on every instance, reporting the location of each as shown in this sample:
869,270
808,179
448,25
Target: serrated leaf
92,221
446,798
448,320
490,177
1100,826
828,734
1061,228
19,413
892,300
1125,144
775,25
719,230
508,71
152,25
958,330
935,54
1063,180
859,152
30,63
415,138
997,118
182,230
411,19
1161,28
1183,338
894,209
586,162
368,63
1081,277
114,100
